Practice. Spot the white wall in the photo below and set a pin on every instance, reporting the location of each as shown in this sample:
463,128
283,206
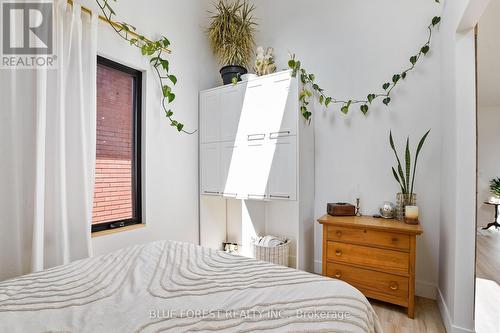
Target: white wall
457,228
170,160
451,16
488,108
354,48
488,119
488,51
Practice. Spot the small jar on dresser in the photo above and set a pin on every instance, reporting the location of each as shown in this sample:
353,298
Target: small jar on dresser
376,256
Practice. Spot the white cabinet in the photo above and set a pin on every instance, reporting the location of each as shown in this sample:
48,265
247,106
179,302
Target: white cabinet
231,103
283,176
209,116
232,159
281,121
253,113
210,166
251,129
268,106
257,166
220,112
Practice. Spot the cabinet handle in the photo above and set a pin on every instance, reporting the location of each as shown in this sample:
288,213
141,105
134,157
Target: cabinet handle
338,252
275,135
257,85
255,137
339,234
393,285
338,274
281,80
263,196
280,196
211,192
232,195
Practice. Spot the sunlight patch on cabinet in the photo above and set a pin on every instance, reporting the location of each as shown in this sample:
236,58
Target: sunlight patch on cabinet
248,160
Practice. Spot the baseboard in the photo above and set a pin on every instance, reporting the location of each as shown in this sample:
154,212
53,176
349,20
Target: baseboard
447,320
318,266
445,314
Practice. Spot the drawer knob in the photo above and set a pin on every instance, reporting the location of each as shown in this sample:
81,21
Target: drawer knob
339,234
394,239
338,252
393,285
338,274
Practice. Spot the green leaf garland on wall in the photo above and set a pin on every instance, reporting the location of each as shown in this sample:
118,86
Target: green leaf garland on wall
311,88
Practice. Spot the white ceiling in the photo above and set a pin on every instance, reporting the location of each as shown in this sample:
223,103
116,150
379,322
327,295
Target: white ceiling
489,56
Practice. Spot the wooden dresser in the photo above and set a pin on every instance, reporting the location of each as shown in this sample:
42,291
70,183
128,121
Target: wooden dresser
377,256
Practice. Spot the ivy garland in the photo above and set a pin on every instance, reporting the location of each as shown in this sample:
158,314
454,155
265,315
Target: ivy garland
155,51
308,80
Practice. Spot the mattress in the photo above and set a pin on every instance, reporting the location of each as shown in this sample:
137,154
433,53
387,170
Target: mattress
170,286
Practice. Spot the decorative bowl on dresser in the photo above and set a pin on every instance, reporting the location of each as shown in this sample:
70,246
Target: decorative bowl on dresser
377,256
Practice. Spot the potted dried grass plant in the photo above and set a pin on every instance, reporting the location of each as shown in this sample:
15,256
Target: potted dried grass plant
231,37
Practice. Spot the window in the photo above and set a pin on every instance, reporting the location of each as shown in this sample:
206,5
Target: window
117,188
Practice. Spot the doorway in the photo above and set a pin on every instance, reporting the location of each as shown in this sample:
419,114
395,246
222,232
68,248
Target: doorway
487,309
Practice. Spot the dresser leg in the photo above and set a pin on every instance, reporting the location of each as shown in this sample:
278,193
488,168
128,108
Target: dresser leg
411,311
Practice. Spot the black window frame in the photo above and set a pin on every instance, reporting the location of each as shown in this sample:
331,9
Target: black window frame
136,148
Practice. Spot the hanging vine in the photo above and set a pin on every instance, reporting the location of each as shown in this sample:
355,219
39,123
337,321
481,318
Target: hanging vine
311,88
155,50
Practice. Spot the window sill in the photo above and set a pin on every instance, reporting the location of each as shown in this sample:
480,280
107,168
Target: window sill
114,231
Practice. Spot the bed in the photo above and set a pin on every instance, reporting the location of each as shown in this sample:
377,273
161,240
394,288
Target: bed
170,286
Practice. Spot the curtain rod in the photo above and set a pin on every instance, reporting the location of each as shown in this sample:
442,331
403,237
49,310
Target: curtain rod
115,24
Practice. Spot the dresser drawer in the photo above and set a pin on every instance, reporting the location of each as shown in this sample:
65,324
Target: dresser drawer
369,237
368,257
368,280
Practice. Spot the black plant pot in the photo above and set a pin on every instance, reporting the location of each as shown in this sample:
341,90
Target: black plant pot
228,72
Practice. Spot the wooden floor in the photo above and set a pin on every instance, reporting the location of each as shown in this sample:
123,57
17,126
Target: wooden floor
487,306
394,319
488,281
488,255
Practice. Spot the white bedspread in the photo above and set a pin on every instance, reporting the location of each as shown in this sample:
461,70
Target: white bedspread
175,287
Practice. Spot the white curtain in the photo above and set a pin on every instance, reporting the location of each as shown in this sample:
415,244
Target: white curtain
48,124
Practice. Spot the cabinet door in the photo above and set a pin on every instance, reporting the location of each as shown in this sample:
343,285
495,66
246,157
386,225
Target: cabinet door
231,103
210,116
283,176
233,173
258,159
253,117
210,169
283,107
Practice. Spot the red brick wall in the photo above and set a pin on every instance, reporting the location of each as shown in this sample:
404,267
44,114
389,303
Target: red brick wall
113,182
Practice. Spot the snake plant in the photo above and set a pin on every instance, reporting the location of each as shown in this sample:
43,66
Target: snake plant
404,177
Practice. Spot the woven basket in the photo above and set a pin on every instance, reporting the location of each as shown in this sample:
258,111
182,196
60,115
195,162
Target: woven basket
275,254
